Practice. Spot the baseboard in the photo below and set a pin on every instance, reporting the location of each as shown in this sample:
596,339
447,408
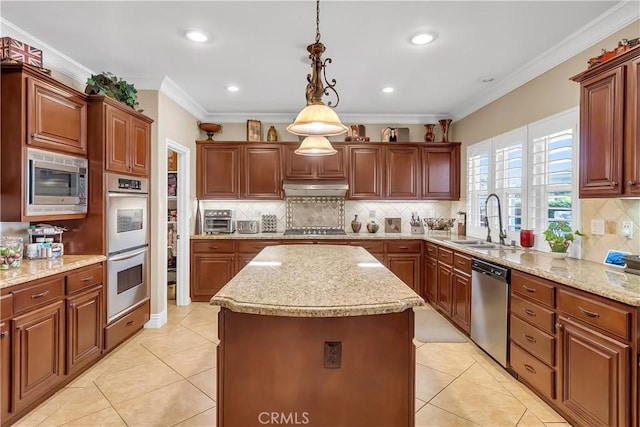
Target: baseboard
157,320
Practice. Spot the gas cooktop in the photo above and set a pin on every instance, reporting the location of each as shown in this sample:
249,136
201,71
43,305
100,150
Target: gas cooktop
314,232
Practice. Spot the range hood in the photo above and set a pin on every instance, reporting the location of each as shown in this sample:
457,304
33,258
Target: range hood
299,188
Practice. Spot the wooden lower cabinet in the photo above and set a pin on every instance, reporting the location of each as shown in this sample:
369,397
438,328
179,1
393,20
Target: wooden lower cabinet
407,268
444,297
461,300
85,324
38,353
209,273
6,311
430,286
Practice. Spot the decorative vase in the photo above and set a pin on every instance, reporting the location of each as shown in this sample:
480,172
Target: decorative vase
429,136
272,134
444,123
372,226
198,226
356,225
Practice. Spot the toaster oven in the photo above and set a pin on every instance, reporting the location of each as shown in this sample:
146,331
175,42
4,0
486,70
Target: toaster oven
218,221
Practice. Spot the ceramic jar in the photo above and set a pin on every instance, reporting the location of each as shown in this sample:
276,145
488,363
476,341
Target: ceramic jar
356,225
429,136
372,226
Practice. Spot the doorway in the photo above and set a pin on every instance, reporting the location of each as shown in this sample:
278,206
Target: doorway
179,213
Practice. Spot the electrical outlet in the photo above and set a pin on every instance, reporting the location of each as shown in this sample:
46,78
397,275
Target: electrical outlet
332,354
597,227
627,229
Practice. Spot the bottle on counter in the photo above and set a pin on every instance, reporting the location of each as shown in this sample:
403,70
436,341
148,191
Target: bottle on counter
198,227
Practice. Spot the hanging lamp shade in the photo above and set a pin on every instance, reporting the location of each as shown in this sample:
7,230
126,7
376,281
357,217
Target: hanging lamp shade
317,119
315,146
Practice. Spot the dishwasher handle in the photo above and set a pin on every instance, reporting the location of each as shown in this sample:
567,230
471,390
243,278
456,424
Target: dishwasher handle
495,271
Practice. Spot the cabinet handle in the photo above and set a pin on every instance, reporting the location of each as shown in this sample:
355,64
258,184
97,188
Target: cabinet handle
86,279
530,339
404,247
588,313
631,183
614,183
558,327
34,135
529,313
19,327
4,334
529,368
36,296
528,289
129,323
213,247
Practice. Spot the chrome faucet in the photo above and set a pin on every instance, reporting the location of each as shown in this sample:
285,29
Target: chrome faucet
503,232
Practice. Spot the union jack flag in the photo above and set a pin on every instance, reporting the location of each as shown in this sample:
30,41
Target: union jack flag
19,51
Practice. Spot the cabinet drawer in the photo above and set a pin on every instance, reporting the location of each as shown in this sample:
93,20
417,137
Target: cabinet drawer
533,340
445,255
123,328
533,313
611,319
371,247
213,245
404,247
84,278
535,373
532,287
255,246
38,294
462,262
432,250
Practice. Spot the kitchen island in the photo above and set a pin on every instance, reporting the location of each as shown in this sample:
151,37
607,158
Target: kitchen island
304,332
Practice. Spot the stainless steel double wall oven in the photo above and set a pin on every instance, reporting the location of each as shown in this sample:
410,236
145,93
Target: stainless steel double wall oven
127,243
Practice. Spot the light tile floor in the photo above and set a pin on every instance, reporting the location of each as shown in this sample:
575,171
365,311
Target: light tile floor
167,376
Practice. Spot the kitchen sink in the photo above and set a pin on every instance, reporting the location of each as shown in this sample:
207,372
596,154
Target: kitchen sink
478,244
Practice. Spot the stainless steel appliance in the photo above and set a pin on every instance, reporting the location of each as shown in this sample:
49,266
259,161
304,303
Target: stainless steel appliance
127,243
489,308
300,188
216,221
56,183
248,227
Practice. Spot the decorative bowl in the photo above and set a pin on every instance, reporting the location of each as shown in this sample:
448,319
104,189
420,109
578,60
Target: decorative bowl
444,224
210,129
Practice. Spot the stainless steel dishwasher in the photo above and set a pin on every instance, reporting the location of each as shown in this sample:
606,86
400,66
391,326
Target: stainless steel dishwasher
489,308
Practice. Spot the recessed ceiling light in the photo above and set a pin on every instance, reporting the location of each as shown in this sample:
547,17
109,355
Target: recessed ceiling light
197,36
233,88
388,89
422,39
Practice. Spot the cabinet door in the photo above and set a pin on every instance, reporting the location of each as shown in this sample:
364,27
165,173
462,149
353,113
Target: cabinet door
366,172
403,173
218,172
441,172
243,260
38,353
407,268
118,133
84,328
209,273
262,173
632,138
445,278
461,300
430,286
57,118
140,146
334,166
298,167
5,369
601,133
595,376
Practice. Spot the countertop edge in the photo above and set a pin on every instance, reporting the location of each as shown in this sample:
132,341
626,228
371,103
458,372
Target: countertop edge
76,261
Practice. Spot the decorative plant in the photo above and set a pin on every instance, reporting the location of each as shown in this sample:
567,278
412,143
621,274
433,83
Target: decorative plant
112,86
559,236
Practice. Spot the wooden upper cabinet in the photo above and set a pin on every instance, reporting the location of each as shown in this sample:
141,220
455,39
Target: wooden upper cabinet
366,172
261,172
403,173
140,146
441,171
217,171
117,135
309,167
609,160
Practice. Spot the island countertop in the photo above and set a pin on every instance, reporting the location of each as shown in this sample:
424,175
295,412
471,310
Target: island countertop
316,281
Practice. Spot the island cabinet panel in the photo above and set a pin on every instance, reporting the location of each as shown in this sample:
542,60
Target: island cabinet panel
366,173
217,171
441,172
261,173
38,353
609,161
309,167
251,352
403,173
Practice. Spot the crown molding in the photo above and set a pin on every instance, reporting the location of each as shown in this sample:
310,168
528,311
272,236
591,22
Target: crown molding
345,118
180,97
600,28
52,57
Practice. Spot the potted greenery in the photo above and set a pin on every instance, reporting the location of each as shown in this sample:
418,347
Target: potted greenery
559,236
112,86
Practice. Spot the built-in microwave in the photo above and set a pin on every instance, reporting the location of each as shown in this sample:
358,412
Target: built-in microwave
56,183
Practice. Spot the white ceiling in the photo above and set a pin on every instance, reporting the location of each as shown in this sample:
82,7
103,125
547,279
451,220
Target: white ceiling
260,46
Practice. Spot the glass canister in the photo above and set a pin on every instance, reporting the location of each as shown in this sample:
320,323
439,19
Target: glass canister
527,239
10,252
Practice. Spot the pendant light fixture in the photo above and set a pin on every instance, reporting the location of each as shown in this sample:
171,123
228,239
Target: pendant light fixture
317,120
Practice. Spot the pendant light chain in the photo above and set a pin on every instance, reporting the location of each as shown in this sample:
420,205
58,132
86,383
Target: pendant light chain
317,21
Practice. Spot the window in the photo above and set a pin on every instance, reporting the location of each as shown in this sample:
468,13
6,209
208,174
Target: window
531,170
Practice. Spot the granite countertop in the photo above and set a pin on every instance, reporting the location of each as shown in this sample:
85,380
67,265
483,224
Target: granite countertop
31,269
596,278
316,281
